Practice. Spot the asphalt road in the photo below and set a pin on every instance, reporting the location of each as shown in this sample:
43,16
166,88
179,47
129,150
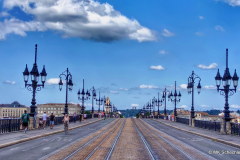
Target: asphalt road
43,147
206,146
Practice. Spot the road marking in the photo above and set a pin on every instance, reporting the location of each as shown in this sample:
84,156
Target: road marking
70,139
46,148
14,148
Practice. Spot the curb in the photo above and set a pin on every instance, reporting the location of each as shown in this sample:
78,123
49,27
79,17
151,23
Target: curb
43,135
202,135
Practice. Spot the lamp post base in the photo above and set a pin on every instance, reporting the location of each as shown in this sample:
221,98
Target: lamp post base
226,126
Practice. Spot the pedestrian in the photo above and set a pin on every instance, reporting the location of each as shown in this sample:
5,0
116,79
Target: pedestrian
80,117
66,121
25,120
84,117
40,123
52,118
44,119
74,117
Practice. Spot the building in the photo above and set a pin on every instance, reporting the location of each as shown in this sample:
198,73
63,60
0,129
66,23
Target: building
57,109
107,103
13,110
134,108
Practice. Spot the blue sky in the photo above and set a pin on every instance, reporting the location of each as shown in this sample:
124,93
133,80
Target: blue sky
129,50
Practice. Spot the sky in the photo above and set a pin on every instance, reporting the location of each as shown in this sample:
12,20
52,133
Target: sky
128,50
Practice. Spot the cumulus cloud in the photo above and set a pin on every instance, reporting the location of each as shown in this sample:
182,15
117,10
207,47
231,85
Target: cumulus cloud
163,52
134,105
211,66
4,14
219,28
148,86
9,82
209,87
124,89
167,33
53,81
183,106
86,19
183,86
234,106
200,34
233,2
114,92
201,17
204,106
159,67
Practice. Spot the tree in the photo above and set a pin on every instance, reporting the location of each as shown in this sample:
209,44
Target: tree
137,115
87,112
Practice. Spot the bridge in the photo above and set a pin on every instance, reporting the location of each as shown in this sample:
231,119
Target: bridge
120,138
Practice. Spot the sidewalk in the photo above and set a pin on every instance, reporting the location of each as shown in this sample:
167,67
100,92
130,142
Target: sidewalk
12,138
231,140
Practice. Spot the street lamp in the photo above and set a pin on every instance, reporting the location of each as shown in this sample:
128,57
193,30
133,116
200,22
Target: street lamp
190,88
175,98
158,102
164,98
104,101
69,86
81,97
93,96
34,78
99,102
226,91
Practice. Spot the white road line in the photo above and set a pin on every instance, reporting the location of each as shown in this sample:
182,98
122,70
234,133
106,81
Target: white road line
14,148
46,148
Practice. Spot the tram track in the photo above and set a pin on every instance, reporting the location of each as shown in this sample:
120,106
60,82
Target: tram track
173,148
72,150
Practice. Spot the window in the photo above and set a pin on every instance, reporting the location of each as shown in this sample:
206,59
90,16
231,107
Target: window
54,111
54,108
44,108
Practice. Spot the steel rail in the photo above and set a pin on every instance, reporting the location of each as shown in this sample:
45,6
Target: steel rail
72,154
95,149
167,141
145,142
114,143
186,144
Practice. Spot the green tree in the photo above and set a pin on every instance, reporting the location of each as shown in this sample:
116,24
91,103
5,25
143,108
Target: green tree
137,115
87,112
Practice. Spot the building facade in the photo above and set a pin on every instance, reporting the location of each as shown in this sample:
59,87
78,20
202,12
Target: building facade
13,110
107,103
57,109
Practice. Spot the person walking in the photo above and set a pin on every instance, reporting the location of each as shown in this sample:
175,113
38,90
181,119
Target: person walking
25,120
74,117
44,119
80,117
66,121
40,123
52,118
85,117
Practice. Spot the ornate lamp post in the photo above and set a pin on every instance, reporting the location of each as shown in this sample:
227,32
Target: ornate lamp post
175,98
104,101
99,102
164,98
81,97
190,88
158,103
226,91
93,97
34,86
69,86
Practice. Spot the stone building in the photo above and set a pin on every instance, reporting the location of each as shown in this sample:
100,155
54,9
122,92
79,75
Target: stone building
57,109
107,103
13,110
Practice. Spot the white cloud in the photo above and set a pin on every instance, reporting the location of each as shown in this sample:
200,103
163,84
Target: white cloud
167,33
201,17
183,86
211,66
204,106
234,106
159,67
114,92
183,106
4,14
9,82
86,19
233,2
53,81
209,87
163,52
148,87
200,34
219,28
134,105
125,89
